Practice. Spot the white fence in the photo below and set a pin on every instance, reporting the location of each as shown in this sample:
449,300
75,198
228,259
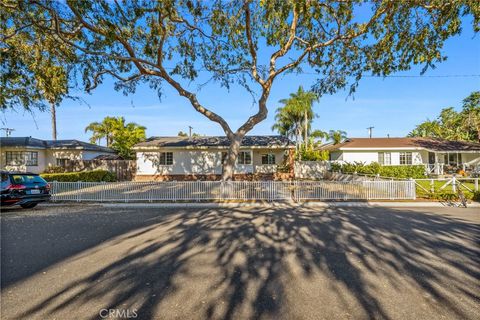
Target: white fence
234,190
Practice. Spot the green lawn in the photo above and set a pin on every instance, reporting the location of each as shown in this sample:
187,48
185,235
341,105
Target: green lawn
448,189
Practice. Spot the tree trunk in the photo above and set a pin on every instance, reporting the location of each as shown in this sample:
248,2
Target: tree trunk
233,149
54,121
297,142
305,133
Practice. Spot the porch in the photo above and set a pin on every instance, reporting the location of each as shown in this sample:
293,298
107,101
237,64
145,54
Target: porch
440,163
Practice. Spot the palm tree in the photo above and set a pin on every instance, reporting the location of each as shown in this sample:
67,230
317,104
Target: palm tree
294,118
119,135
337,136
105,129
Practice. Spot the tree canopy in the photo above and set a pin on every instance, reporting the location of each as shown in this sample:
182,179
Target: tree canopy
463,125
249,43
119,136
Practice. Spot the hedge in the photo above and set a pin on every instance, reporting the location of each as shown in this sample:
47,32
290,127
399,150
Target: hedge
402,172
87,176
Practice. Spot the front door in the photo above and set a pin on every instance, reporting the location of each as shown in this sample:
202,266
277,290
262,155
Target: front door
431,158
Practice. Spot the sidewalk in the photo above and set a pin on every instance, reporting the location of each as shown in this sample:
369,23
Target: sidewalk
289,204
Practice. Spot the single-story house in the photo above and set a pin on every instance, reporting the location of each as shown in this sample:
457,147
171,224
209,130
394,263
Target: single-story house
28,154
437,155
201,158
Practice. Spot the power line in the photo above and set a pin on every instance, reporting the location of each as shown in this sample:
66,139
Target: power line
417,76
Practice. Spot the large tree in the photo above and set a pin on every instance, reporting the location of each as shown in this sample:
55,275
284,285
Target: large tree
244,42
463,125
34,68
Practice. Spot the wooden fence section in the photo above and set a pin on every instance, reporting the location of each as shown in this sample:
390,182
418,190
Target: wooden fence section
124,169
232,190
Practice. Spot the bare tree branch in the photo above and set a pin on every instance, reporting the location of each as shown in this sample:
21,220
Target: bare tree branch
251,46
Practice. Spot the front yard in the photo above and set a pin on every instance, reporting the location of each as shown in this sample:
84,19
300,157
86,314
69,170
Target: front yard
446,191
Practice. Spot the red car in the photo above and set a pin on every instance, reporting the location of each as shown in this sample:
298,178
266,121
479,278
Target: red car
23,189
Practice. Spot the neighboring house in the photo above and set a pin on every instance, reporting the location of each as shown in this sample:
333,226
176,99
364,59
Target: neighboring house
28,154
192,158
437,155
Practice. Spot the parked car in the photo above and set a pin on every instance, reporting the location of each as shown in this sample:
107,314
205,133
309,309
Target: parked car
23,189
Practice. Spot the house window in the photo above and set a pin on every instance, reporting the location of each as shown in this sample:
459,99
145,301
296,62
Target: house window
405,158
384,158
29,158
244,157
61,162
166,158
268,158
453,158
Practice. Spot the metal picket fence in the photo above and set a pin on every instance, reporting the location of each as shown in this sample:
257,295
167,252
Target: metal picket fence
233,190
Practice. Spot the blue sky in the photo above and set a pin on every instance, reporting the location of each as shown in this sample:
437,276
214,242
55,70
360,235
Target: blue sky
393,105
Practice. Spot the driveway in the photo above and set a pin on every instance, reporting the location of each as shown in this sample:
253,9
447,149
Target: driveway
91,262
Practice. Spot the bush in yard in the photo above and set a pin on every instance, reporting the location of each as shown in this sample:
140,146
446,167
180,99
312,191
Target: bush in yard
402,171
86,176
476,196
55,169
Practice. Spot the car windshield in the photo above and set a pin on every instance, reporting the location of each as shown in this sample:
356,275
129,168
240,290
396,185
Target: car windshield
25,178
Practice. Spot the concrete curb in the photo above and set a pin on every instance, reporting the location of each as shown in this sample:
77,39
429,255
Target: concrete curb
368,204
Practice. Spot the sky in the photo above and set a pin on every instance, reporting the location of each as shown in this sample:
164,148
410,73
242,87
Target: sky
392,105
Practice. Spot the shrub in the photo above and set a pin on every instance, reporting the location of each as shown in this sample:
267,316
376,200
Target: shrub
403,172
476,196
55,169
87,176
310,154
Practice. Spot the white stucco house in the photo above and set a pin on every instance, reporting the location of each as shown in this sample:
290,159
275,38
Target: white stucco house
201,158
27,154
438,156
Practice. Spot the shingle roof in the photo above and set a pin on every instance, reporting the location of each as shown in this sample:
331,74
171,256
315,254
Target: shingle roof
22,142
51,144
218,141
425,143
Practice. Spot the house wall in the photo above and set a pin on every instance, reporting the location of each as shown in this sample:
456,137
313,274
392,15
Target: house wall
46,158
200,162
53,154
23,168
418,157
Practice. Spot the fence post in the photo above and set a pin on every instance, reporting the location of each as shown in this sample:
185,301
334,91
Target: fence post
413,189
476,184
102,198
432,186
79,195
454,184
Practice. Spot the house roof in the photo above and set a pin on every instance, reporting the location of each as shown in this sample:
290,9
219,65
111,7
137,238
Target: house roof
51,144
403,143
218,141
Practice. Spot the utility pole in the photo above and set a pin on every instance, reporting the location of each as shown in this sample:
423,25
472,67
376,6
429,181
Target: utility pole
8,131
370,131
190,131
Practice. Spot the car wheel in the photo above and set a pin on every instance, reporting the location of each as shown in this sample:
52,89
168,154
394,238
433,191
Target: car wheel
28,205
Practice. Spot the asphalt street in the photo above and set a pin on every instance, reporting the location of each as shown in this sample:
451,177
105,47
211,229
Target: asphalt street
93,262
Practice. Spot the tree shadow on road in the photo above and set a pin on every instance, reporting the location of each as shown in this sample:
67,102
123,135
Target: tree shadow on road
264,263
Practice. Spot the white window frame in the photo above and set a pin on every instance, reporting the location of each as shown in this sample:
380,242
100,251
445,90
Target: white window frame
406,158
270,157
27,158
242,159
385,158
165,158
